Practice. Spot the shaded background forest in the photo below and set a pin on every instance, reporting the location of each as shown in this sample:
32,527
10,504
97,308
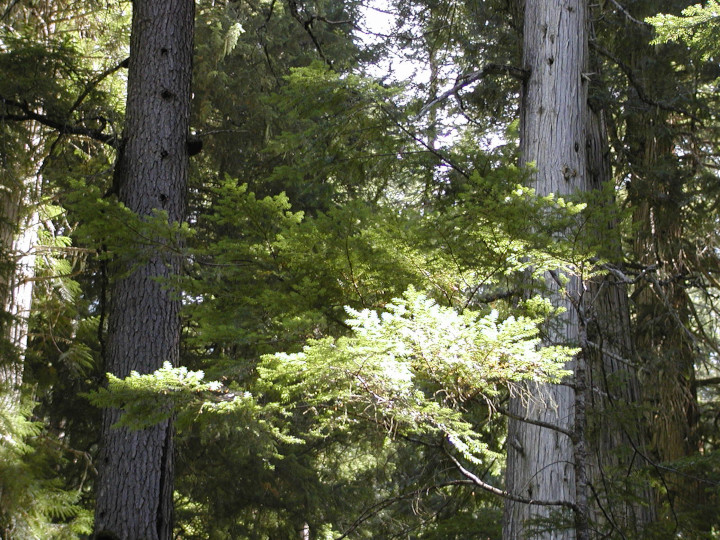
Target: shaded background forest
347,171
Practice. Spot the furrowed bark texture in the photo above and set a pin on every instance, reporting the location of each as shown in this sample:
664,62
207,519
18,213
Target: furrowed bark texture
616,429
135,487
658,187
541,462
666,348
661,300
18,236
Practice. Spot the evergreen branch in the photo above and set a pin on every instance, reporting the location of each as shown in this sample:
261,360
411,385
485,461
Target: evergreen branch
81,454
475,480
270,11
307,25
9,9
468,79
710,342
539,423
435,152
374,509
352,273
58,125
599,502
331,22
31,279
659,291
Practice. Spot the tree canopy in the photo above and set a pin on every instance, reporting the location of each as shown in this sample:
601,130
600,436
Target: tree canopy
371,295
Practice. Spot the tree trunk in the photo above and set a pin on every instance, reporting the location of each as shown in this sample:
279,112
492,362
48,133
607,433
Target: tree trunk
563,135
666,347
658,193
18,236
134,495
616,429
543,464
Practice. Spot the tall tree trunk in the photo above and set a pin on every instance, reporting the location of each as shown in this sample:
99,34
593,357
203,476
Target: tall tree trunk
543,464
134,495
18,236
666,347
616,430
657,192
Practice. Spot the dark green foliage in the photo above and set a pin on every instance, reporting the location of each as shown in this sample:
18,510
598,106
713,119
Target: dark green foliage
356,266
34,502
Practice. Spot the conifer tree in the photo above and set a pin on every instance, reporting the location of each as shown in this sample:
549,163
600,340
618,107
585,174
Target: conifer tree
134,491
46,81
658,127
595,424
545,450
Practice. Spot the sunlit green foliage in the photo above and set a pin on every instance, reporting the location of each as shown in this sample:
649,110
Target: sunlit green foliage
698,27
412,369
358,276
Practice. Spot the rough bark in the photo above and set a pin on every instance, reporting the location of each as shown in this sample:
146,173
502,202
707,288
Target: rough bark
18,236
661,300
657,192
616,429
542,462
134,495
666,348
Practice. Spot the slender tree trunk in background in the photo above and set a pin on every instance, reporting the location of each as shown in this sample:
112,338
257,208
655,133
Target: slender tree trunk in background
661,332
18,290
18,236
616,430
543,464
657,191
134,494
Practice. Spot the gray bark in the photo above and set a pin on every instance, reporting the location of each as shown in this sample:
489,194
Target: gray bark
18,236
542,463
567,141
134,494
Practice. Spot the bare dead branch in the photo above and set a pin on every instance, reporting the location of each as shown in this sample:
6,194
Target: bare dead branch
504,494
539,423
26,113
638,86
712,381
625,12
468,79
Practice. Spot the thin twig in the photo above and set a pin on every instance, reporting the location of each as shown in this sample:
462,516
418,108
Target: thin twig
625,12
466,80
58,125
639,88
505,494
